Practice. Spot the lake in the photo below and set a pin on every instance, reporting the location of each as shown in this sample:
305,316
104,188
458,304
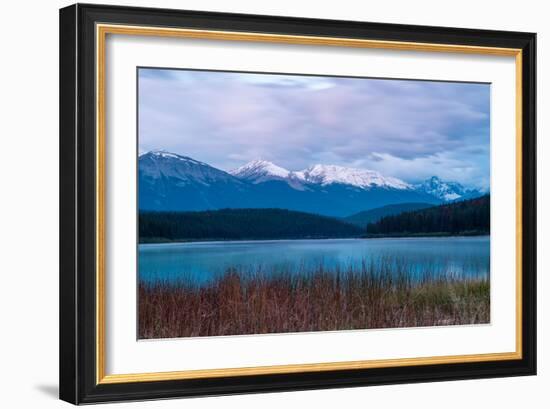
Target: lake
200,262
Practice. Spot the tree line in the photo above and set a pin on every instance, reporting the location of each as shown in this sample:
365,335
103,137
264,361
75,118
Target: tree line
240,224
464,217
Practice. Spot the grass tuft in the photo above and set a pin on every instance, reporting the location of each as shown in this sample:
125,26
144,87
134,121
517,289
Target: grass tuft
239,303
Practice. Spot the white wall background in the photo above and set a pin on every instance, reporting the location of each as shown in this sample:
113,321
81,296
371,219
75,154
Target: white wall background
29,202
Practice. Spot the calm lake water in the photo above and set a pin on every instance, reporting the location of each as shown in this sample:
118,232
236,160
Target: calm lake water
199,263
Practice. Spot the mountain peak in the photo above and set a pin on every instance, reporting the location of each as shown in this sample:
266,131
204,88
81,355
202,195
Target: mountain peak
260,170
363,178
163,154
447,191
157,164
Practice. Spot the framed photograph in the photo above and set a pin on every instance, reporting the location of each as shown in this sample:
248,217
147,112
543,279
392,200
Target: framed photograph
257,203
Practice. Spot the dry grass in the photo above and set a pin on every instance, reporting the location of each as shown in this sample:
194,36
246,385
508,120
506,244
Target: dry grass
238,303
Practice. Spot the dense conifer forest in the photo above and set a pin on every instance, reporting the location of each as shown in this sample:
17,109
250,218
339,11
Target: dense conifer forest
362,219
468,217
240,224
459,218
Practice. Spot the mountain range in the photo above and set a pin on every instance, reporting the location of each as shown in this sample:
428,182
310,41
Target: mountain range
169,181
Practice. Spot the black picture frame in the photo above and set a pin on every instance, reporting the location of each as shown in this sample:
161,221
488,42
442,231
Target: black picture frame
78,161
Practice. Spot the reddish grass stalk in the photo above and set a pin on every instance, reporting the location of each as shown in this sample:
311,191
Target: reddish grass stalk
237,304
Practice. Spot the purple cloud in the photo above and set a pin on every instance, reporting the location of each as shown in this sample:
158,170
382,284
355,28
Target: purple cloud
407,129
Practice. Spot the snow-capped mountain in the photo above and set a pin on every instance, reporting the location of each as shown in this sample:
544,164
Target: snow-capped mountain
169,181
362,178
162,164
259,171
446,191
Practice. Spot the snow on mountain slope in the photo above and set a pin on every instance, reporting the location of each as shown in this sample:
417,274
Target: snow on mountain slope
159,164
362,178
168,181
259,171
447,191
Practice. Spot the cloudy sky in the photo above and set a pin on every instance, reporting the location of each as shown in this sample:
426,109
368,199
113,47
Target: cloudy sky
406,129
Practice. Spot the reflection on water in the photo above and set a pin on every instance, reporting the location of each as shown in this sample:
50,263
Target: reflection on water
197,263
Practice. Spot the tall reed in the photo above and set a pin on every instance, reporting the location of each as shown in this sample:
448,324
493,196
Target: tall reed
377,295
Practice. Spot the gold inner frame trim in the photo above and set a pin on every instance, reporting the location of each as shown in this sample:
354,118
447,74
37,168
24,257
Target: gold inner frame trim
101,33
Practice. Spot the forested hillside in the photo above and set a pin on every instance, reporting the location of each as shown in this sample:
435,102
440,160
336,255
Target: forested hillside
465,217
362,219
240,224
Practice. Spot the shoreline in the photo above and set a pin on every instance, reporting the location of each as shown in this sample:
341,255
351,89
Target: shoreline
368,237
428,235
